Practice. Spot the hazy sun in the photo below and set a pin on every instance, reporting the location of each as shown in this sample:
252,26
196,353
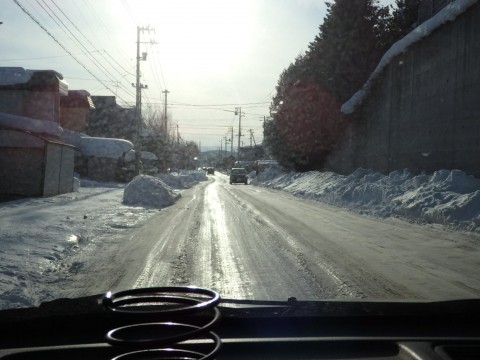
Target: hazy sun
208,35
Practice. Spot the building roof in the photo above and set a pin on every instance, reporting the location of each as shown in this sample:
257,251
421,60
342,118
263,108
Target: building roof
11,121
77,99
18,78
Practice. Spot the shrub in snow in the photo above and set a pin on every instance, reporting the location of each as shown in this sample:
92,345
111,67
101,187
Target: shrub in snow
149,191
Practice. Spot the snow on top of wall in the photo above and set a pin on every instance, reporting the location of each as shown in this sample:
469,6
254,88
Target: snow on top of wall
104,147
29,124
449,13
19,75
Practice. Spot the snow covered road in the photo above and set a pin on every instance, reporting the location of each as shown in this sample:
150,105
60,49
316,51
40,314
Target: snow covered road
246,242
254,243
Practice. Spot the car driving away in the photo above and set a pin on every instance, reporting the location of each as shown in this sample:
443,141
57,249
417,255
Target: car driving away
238,175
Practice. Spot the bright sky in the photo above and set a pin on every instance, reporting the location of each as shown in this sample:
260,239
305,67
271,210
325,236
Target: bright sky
211,55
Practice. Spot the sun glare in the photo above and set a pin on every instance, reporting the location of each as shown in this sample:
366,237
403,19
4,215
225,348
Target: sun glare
200,35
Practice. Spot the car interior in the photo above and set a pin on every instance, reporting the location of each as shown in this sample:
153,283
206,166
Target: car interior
195,323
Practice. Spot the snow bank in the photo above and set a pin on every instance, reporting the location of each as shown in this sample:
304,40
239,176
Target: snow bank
448,13
41,239
149,191
445,197
184,180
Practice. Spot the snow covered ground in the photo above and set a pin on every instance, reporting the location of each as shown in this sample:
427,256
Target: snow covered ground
39,236
450,198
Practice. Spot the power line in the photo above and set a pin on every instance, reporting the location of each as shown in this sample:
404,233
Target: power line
232,104
67,31
61,45
106,29
129,12
155,73
95,61
46,57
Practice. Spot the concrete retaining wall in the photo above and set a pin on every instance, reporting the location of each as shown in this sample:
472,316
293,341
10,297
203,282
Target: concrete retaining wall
424,111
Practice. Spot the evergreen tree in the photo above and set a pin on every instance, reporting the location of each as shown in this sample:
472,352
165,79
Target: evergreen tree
352,39
404,18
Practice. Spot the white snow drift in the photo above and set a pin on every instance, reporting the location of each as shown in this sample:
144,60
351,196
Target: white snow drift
446,197
149,191
41,237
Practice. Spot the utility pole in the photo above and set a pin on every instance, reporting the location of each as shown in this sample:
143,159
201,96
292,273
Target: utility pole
138,85
252,138
165,111
226,142
238,111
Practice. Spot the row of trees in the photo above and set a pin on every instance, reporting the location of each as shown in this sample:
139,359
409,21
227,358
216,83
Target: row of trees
306,121
163,139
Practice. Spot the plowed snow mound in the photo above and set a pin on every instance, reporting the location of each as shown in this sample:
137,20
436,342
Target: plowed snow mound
149,191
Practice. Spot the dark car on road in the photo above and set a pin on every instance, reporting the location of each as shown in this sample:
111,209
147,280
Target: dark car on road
238,175
210,171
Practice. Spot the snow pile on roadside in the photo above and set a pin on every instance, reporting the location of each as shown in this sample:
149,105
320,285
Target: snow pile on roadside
41,238
183,180
149,191
445,197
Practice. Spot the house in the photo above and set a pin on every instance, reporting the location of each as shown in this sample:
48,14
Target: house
32,93
33,161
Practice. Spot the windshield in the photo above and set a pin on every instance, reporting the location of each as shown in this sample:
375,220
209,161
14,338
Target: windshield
356,123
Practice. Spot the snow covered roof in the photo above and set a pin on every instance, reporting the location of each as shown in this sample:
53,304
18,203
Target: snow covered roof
12,76
104,147
77,98
98,146
449,13
144,155
28,124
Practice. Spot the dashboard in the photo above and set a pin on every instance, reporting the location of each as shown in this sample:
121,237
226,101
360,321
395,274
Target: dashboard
194,323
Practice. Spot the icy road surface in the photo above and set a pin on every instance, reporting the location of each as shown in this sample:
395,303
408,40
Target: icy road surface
248,242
